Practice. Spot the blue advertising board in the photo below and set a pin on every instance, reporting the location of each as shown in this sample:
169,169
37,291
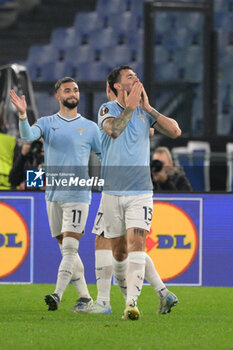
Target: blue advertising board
190,241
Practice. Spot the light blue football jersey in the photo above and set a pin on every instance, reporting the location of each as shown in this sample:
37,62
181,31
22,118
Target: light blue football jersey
67,144
126,159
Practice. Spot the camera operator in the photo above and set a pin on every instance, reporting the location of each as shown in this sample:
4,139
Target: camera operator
166,176
31,157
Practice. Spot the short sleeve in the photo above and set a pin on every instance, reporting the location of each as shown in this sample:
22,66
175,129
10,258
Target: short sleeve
107,110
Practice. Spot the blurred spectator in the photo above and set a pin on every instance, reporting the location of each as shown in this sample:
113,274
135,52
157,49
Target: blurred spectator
31,157
166,176
8,150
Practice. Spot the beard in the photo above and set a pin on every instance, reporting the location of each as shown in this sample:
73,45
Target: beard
70,105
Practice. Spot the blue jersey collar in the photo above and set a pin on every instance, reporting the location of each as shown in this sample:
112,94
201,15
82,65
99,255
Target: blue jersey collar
119,104
69,119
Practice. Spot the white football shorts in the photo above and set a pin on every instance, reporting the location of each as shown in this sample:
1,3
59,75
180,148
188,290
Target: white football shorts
124,212
99,227
67,217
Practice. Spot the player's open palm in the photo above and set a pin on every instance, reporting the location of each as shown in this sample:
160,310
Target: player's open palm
134,97
145,105
19,102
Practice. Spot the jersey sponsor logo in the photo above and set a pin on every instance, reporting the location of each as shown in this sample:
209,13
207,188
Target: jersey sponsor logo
172,242
14,240
81,130
35,178
103,111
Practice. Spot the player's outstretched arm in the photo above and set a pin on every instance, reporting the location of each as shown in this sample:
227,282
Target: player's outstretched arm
115,126
164,125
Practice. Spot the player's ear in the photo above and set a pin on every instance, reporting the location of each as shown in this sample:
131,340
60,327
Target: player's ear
57,96
117,86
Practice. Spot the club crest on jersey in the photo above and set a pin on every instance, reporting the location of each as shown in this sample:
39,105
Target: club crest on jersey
142,116
103,111
81,130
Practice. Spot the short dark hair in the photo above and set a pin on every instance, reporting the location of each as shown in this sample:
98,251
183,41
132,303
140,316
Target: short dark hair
62,81
114,75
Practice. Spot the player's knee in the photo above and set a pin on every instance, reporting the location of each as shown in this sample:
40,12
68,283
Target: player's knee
120,255
120,251
119,248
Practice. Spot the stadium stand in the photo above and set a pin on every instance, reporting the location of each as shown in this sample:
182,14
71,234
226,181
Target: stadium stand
35,26
97,36
178,44
111,7
10,9
195,159
48,104
42,54
8,12
63,38
92,71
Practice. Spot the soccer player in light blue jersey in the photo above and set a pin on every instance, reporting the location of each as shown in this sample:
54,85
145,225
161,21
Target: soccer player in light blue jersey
127,196
68,139
103,263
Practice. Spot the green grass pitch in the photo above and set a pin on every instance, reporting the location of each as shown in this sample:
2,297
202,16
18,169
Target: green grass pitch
202,320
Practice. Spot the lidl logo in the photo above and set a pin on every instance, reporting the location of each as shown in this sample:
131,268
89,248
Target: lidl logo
35,178
173,240
14,240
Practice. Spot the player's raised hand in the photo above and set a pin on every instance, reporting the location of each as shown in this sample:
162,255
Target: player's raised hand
19,102
134,97
145,105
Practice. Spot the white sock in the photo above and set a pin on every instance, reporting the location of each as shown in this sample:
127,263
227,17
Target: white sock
103,272
78,278
152,276
119,270
65,271
135,276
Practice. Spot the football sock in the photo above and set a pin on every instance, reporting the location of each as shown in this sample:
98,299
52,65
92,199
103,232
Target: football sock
119,270
69,250
78,278
135,276
103,272
152,276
